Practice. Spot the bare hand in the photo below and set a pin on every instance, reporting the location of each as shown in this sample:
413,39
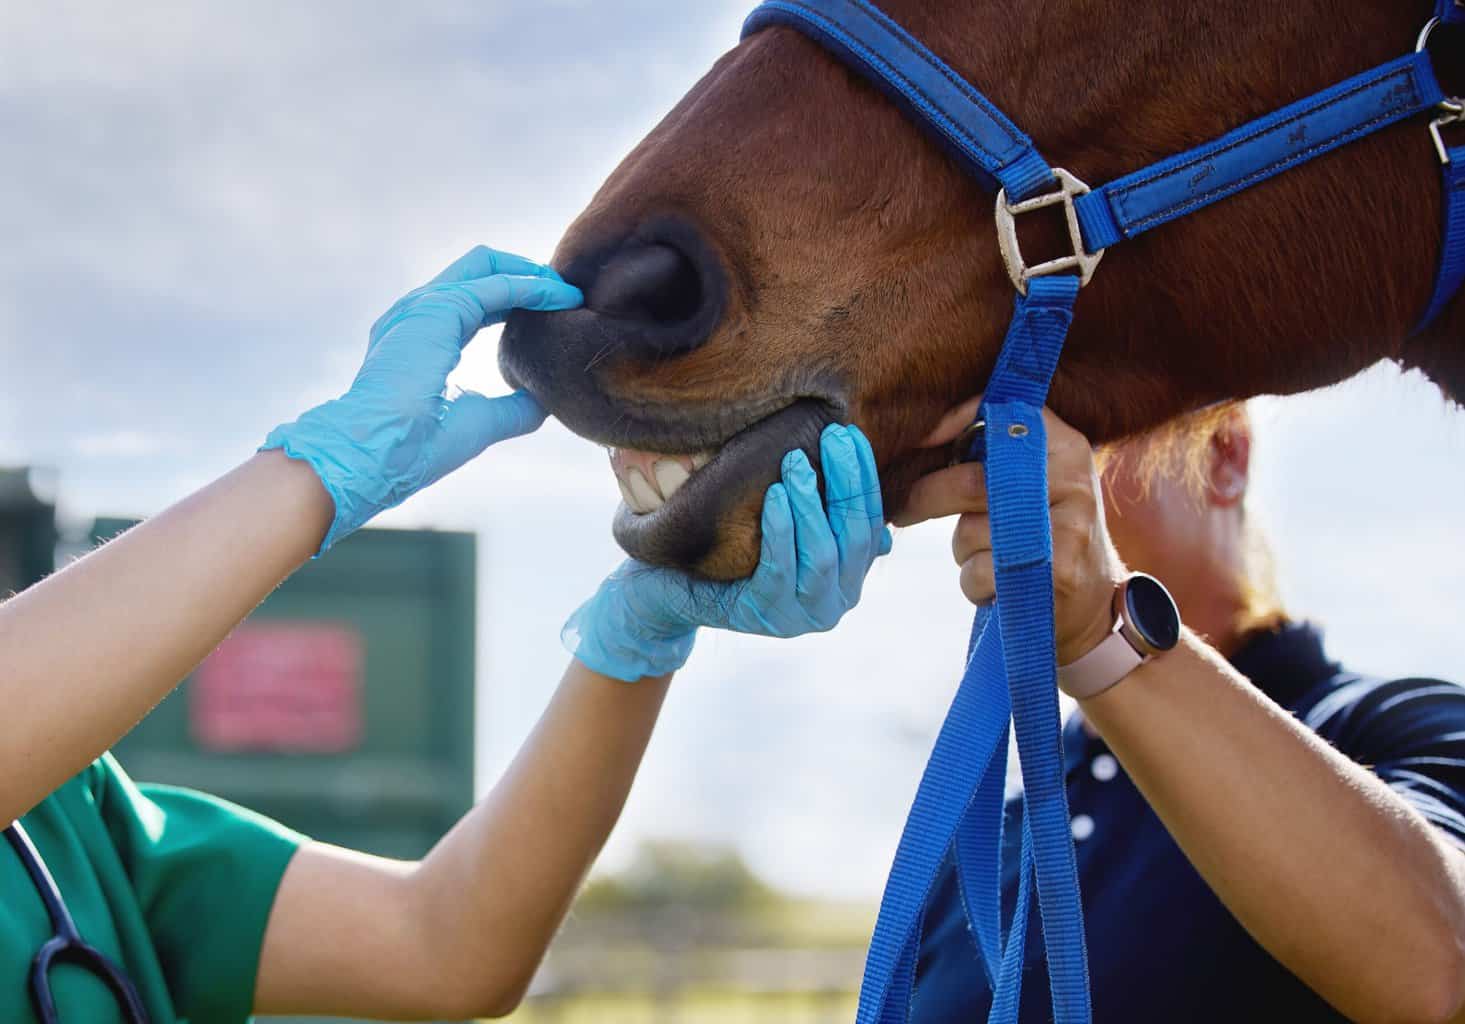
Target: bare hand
1086,568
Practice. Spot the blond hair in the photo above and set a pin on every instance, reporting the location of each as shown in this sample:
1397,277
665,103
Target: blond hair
1180,450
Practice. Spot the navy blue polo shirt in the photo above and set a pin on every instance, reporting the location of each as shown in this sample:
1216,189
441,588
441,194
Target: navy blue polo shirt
1161,945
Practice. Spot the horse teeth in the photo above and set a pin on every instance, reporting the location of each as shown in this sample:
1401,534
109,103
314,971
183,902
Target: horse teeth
670,475
701,459
627,496
646,498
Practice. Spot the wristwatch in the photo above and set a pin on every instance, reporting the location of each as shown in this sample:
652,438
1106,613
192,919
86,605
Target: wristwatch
1146,623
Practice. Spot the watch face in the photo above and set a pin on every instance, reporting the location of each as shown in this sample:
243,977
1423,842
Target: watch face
1151,612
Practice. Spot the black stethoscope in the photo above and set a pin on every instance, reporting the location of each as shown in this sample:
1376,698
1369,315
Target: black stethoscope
67,945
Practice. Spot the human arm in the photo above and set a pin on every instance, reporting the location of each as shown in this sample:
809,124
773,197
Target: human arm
88,652
461,933
1334,872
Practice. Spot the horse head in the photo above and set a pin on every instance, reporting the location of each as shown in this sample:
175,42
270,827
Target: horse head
787,250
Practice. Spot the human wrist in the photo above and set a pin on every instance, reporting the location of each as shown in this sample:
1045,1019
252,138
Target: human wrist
1100,626
1095,622
1145,623
297,497
351,476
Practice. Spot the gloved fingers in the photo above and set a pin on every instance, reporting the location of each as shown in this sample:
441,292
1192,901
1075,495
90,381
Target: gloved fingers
848,509
841,487
481,261
869,475
471,422
887,541
874,500
453,312
502,292
772,583
818,559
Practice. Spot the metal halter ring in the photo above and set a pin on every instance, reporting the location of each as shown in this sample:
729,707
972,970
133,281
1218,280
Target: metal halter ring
962,445
1424,35
1069,189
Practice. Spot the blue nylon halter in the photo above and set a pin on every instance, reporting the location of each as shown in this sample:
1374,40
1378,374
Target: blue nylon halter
1010,680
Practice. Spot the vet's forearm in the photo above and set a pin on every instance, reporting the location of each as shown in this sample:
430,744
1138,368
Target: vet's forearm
88,652
500,884
1333,873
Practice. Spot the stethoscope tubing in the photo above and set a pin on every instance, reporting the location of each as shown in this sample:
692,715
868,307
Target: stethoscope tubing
66,946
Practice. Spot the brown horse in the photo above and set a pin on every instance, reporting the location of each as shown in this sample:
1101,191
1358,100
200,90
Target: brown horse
785,250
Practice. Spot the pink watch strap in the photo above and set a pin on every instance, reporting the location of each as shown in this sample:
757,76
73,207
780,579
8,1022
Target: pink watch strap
1101,668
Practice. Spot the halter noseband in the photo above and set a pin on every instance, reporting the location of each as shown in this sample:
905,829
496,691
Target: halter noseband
1010,678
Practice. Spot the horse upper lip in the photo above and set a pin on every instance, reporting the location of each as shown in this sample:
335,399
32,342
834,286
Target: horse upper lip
687,430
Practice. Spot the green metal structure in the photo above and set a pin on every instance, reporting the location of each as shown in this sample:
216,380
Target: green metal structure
27,532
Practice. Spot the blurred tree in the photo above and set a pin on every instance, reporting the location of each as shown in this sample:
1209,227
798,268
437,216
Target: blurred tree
684,876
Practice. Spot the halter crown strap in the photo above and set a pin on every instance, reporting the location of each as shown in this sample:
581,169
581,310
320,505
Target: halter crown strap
963,121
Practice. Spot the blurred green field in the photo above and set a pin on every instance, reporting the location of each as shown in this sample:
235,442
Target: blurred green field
691,1008
688,935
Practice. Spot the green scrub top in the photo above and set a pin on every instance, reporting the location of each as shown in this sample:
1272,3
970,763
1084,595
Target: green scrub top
174,886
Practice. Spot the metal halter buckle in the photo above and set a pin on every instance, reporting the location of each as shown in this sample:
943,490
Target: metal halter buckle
1452,111
1069,189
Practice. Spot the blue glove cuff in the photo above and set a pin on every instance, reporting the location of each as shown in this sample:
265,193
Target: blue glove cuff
604,635
350,476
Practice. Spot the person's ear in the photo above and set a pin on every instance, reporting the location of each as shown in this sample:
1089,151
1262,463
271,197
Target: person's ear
1230,463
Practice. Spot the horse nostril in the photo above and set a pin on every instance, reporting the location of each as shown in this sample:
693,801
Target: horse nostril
654,284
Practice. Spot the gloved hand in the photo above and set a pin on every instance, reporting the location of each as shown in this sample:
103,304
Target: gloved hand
398,429
643,620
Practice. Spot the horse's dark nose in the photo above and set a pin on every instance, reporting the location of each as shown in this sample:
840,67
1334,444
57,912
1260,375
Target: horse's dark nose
657,298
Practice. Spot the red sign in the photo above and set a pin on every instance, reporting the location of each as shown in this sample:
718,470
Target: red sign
292,688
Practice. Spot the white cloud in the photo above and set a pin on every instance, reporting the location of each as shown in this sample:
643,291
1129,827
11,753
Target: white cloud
121,444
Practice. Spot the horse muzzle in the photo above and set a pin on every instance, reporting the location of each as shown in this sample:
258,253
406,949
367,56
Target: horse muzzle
691,457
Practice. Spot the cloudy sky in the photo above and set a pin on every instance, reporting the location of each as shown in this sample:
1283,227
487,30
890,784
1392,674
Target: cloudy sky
205,205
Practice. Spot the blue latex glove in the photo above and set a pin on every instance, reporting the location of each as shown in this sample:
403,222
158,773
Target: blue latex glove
400,428
643,620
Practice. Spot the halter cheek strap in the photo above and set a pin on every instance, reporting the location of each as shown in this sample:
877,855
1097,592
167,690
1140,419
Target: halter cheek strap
1010,682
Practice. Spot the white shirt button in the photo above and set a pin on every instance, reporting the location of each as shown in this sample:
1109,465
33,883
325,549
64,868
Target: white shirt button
1082,827
1104,767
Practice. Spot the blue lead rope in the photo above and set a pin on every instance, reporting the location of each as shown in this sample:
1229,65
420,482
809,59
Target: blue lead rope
1011,673
1010,680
